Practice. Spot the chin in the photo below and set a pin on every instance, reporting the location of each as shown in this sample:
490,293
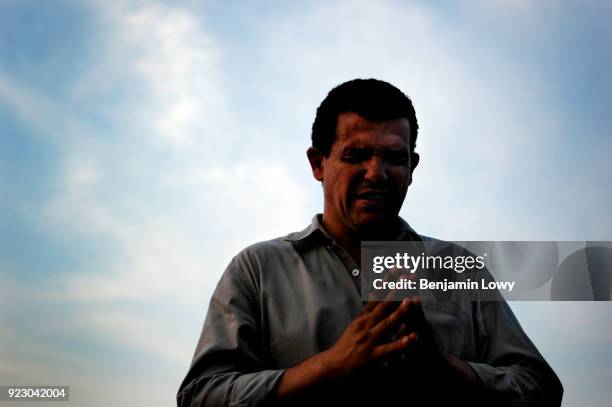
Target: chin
374,223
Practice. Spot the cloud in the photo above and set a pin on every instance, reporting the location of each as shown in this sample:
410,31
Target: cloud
163,66
176,257
470,119
164,53
42,115
145,180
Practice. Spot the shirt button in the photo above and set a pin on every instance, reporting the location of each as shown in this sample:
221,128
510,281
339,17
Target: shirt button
355,272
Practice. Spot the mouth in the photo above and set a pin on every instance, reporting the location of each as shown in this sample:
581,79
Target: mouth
373,196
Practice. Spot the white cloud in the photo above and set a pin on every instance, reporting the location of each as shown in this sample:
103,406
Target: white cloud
166,67
44,117
137,332
162,257
465,122
162,244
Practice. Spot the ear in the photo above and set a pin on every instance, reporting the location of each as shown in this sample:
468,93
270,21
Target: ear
316,163
414,161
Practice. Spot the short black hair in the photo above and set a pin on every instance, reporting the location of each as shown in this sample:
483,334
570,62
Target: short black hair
373,99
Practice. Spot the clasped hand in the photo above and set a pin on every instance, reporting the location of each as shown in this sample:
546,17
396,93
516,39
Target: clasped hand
365,342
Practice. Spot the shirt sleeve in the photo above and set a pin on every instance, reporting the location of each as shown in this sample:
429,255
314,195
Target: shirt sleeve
228,366
512,370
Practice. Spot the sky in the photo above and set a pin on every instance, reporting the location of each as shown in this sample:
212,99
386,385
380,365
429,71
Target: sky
144,143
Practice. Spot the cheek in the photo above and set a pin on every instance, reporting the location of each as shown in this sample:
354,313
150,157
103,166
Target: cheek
401,178
401,188
342,177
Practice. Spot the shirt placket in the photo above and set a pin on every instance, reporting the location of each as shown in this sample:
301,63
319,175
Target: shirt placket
347,261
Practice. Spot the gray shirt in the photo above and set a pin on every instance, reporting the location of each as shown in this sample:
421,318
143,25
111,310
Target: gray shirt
282,301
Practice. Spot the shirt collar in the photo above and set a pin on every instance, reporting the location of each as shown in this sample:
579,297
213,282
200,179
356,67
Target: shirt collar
316,229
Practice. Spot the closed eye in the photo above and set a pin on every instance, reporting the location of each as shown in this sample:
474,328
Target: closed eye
397,157
357,155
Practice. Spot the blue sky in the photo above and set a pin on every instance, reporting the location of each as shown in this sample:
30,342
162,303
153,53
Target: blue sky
142,144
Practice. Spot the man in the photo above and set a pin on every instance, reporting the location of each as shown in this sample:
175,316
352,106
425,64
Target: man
286,322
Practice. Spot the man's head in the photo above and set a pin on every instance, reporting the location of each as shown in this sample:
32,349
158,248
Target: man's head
374,100
363,140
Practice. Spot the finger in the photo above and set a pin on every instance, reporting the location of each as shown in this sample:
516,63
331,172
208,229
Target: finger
416,315
393,321
417,322
377,295
382,310
393,275
385,350
369,306
403,330
395,294
417,311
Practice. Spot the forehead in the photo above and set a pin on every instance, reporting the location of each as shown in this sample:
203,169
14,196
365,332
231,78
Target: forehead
355,131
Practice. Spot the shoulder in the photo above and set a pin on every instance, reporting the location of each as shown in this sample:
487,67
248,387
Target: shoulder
263,260
430,239
435,244
267,251
280,249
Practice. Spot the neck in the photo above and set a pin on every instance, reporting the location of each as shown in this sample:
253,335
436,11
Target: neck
350,239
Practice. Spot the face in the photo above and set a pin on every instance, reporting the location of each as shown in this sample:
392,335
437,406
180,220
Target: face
367,173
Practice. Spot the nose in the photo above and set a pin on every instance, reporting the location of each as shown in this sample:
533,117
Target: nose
375,170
